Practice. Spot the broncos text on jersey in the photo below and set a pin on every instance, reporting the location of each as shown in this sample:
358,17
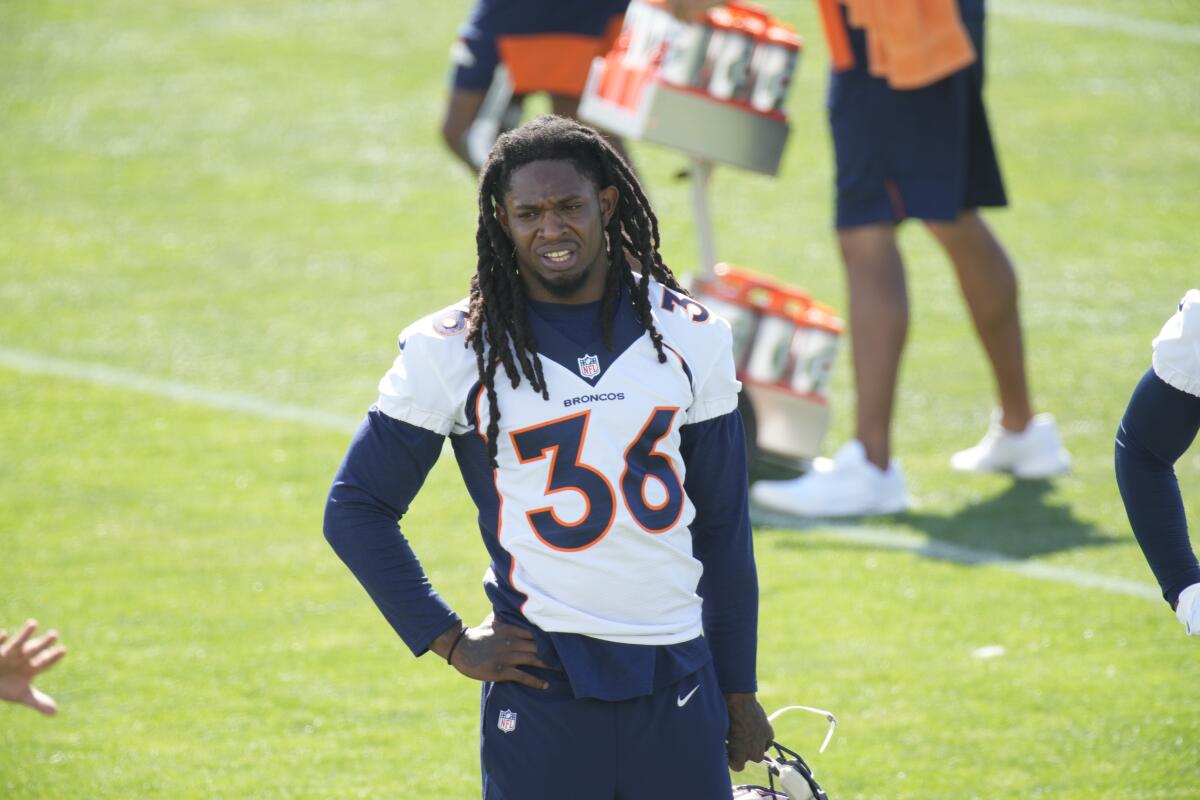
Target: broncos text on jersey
586,517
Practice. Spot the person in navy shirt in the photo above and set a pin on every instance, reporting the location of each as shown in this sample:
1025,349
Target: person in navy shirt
508,49
591,405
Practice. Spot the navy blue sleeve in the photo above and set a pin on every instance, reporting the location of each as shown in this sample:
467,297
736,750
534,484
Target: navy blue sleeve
1159,426
716,483
384,468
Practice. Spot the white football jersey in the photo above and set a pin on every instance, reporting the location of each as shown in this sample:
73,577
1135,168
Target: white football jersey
1176,357
586,517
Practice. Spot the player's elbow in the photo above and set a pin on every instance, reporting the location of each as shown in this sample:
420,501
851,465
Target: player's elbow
1131,454
335,522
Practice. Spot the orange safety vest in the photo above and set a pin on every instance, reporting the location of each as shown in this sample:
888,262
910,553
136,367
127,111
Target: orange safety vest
910,43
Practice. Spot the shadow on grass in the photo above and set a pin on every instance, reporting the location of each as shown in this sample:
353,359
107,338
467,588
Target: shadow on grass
1018,523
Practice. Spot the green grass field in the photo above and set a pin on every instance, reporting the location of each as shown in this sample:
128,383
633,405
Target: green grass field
216,216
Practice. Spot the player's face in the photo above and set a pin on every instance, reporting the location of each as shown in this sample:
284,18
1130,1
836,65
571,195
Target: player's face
555,217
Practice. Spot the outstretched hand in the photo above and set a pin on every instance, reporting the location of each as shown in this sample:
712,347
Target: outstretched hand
493,651
750,733
21,660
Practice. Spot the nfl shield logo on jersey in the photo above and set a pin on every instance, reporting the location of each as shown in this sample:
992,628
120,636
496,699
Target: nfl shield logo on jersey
507,721
589,366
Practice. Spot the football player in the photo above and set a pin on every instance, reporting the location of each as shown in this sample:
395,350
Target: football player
591,406
1159,426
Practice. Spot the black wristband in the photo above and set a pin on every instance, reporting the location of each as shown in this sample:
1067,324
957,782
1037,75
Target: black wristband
457,639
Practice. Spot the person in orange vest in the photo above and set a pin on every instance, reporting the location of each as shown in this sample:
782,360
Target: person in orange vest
912,140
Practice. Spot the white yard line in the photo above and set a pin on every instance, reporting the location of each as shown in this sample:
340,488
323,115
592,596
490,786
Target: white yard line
36,364
1077,17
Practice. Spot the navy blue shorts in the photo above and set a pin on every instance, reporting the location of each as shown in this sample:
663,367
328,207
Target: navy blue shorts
547,45
547,745
924,153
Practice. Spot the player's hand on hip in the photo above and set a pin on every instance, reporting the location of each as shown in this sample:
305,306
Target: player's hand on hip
750,734
496,651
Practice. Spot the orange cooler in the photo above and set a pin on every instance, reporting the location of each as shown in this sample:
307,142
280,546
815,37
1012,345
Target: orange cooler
784,347
774,63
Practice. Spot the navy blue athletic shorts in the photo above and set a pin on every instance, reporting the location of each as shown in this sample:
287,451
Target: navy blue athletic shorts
924,153
547,45
545,744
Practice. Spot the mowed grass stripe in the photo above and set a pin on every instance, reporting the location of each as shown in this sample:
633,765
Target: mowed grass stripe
220,650
259,407
104,375
260,203
1077,17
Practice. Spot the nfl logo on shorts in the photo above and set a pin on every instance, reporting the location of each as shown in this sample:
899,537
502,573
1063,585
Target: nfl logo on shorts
589,366
507,721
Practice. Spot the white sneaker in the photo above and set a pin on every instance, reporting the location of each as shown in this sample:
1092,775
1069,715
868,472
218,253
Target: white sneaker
845,486
1035,452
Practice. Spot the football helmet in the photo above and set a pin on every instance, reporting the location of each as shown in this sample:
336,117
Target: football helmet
796,781
795,777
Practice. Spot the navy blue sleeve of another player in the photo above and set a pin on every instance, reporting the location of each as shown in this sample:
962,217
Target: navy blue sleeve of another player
716,482
1159,425
384,468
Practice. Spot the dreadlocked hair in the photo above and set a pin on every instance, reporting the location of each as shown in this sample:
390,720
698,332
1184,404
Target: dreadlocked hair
497,328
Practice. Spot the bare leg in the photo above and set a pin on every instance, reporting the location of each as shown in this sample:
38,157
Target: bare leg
461,109
878,327
989,285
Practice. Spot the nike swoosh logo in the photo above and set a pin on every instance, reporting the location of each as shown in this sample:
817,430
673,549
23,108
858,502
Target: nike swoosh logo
682,701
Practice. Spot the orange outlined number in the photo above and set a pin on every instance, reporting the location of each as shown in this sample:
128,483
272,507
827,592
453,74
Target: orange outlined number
672,301
643,464
563,439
